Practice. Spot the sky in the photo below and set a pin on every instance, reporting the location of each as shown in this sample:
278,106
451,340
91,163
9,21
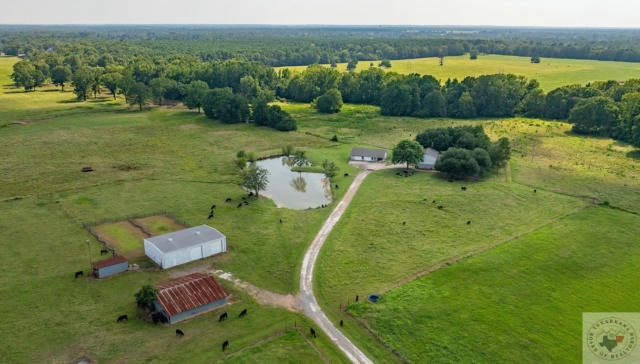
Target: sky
553,13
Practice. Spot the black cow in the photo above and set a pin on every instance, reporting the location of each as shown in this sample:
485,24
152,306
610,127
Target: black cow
210,216
337,187
179,332
357,298
103,251
250,194
213,207
440,207
122,318
469,222
246,202
228,199
341,323
535,191
404,223
79,273
225,344
346,174
239,205
243,313
464,188
222,317
244,198
281,221
312,332
434,201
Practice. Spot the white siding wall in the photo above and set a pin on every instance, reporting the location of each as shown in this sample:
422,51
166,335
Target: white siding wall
186,255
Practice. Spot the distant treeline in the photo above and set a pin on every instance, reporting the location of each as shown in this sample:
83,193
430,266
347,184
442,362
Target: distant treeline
601,108
281,46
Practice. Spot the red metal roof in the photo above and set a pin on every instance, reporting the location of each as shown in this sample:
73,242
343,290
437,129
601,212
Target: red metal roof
188,292
111,261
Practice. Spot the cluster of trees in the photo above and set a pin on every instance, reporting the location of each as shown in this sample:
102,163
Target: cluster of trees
466,150
304,45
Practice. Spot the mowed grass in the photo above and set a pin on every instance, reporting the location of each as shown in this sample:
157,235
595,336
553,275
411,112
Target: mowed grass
550,72
521,302
288,348
158,224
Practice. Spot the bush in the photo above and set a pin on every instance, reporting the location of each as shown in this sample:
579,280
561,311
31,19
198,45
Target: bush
458,163
224,105
145,296
330,102
273,116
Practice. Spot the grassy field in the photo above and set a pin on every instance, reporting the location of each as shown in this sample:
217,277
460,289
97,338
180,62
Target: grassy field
288,348
183,163
521,302
550,72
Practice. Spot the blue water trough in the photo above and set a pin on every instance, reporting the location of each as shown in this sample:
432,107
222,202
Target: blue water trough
374,297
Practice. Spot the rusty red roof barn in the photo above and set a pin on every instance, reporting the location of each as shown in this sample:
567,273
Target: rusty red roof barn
109,262
188,292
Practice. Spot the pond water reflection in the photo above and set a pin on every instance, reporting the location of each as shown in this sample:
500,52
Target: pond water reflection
294,190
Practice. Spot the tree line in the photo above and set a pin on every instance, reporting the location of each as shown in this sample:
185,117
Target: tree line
282,46
230,90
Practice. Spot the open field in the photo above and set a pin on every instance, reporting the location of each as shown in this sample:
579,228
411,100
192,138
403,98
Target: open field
550,72
184,164
288,348
521,302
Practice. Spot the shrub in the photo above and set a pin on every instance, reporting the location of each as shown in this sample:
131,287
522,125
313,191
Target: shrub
330,102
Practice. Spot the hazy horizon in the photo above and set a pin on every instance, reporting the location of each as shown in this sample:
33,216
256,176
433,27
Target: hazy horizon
615,14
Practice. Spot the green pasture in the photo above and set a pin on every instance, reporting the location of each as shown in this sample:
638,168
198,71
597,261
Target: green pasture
288,348
521,302
550,72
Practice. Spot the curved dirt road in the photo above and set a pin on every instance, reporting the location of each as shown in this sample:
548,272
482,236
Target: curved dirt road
308,300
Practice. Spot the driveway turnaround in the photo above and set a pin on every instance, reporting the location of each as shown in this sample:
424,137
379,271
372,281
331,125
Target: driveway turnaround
308,300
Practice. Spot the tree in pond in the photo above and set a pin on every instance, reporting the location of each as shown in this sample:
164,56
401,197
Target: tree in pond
255,179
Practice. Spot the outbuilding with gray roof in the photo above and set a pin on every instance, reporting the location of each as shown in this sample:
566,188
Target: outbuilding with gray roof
184,246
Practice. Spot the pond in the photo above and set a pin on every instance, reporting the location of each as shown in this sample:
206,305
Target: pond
294,190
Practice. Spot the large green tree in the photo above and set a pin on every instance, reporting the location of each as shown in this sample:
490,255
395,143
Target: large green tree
255,179
82,80
26,75
224,105
595,116
407,151
195,93
330,102
111,81
458,163
139,95
60,75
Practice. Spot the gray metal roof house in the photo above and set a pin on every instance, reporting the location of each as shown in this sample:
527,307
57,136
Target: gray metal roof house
429,159
368,155
111,266
184,246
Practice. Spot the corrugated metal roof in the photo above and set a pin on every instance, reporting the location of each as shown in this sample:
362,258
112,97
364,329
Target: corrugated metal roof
188,292
185,238
108,262
372,153
431,152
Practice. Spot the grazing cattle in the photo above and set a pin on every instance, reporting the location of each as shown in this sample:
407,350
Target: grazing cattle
440,207
404,223
225,344
122,318
464,188
87,169
243,313
213,207
179,332
79,273
357,298
239,205
434,201
103,251
244,198
222,317
228,200
250,194
346,174
341,323
210,216
535,191
312,332
281,221
336,186
246,202
469,222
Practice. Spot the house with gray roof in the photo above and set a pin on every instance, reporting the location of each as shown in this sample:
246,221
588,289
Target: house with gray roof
368,155
184,246
429,159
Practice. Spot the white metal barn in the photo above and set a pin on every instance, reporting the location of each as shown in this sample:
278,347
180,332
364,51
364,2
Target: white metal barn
184,246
